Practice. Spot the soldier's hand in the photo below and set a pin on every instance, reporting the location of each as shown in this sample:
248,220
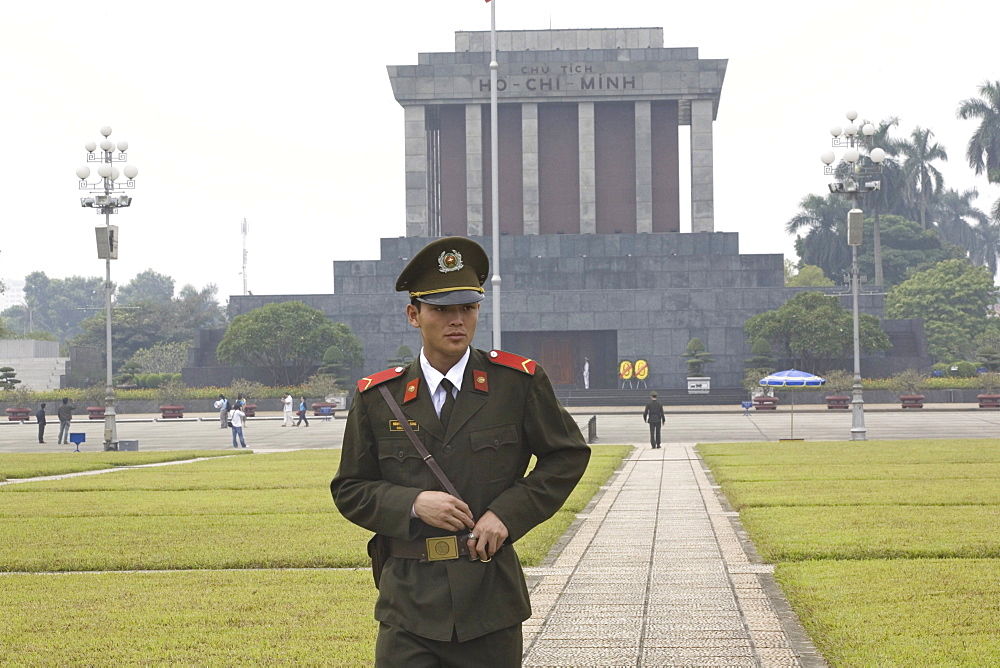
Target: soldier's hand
490,533
442,510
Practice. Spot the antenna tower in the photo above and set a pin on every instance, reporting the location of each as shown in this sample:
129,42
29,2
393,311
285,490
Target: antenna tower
244,228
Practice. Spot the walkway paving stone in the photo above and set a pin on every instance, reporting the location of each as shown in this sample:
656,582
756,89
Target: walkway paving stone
656,575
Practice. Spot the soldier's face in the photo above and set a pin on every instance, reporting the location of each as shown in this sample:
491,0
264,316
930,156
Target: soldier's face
445,331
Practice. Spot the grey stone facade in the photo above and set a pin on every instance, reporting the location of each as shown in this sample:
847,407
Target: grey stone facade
610,297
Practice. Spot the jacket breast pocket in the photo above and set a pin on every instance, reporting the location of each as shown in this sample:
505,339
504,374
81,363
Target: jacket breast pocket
401,464
495,452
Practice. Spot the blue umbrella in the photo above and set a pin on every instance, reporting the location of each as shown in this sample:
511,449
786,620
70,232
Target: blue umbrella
792,378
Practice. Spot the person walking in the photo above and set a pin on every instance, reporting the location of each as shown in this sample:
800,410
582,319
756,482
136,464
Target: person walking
451,590
236,417
655,417
223,406
65,415
40,416
286,406
302,413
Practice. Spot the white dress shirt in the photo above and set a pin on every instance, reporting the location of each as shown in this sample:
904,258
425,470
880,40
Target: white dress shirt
434,378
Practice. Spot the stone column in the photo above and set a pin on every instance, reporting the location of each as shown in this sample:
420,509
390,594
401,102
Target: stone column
474,169
702,188
643,168
529,166
416,171
588,187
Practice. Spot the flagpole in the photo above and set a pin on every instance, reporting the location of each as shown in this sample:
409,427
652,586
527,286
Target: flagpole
494,175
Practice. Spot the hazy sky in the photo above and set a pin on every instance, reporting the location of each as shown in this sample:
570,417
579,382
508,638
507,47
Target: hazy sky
282,113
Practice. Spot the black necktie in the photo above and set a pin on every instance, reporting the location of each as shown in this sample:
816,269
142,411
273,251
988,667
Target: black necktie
449,402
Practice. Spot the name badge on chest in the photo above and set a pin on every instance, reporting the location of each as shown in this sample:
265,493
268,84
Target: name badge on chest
394,425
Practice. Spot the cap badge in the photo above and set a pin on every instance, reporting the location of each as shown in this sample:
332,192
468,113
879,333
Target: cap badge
450,261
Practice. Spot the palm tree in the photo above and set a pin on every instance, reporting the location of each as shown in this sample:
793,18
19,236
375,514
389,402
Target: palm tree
923,178
983,152
890,179
824,245
954,211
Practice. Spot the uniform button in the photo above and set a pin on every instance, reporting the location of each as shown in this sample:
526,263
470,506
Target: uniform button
447,449
496,443
400,454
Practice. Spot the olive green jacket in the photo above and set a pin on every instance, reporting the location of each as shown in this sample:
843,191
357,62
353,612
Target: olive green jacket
501,418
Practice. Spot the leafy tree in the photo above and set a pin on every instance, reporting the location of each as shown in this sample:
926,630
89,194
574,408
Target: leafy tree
344,359
815,331
890,191
906,248
696,357
148,286
924,181
952,297
987,346
57,305
983,152
286,339
159,358
149,323
809,276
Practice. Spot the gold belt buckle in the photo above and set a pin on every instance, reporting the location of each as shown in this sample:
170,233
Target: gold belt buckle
442,548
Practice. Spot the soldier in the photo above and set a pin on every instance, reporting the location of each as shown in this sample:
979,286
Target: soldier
655,417
452,591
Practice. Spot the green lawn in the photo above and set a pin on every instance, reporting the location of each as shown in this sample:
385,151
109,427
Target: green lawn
33,465
175,550
889,551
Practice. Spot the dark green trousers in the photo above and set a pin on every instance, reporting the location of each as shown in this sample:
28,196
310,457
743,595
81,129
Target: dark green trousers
396,648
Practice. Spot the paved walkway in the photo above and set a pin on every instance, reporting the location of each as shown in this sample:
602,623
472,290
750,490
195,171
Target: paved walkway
656,575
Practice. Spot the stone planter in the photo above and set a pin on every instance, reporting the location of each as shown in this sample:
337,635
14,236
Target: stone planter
18,414
765,403
838,402
172,411
988,400
96,412
250,410
322,408
911,401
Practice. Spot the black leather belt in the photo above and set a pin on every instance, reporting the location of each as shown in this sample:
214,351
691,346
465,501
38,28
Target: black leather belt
439,548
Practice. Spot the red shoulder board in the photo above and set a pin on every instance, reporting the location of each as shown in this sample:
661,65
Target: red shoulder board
371,381
513,361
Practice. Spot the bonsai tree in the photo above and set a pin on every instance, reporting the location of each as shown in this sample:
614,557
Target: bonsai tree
990,382
171,393
20,397
763,356
908,382
322,385
696,357
403,356
751,379
839,382
7,378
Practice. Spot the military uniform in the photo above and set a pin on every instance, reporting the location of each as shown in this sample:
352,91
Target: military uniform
505,412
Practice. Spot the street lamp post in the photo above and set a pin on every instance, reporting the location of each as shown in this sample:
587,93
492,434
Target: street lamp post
854,185
107,199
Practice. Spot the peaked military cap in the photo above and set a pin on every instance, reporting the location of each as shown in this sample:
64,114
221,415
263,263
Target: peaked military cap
450,270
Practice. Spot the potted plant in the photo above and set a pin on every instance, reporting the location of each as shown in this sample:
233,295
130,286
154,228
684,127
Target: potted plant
991,383
169,396
323,385
907,384
762,398
20,403
839,382
94,398
696,357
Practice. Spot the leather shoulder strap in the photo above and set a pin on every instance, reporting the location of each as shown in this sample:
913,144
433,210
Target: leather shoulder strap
428,457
